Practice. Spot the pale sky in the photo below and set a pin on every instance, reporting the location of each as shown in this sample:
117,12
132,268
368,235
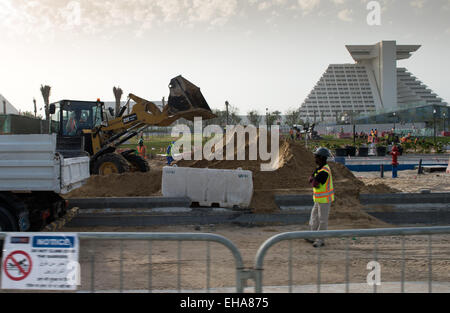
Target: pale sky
256,54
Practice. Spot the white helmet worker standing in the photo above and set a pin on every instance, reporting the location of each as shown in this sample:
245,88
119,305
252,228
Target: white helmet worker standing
322,182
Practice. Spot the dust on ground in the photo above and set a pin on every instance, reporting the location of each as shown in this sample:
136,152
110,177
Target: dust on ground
120,185
295,166
408,181
156,264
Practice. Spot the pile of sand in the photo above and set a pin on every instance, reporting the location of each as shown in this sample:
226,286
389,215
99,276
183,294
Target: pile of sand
296,164
120,185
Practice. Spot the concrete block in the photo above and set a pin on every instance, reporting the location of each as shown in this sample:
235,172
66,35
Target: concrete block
228,188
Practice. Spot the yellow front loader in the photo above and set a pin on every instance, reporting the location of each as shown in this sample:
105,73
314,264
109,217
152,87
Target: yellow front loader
84,126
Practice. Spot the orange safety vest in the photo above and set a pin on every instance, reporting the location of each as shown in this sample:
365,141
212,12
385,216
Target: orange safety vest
141,151
72,125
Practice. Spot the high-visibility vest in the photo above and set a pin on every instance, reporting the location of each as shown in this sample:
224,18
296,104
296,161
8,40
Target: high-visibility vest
72,125
141,151
324,193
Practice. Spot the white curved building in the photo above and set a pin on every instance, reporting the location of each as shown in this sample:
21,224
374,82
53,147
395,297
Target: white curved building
373,84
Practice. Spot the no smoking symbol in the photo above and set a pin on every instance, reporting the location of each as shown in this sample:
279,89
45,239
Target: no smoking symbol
17,265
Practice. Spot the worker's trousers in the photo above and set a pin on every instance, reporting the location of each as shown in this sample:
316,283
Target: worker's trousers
319,216
394,171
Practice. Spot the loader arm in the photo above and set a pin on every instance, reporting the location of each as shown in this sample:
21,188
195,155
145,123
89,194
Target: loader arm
185,101
100,137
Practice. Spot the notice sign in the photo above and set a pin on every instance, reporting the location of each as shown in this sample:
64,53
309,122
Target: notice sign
40,261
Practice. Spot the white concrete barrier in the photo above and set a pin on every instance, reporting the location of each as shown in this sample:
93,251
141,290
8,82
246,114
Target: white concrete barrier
174,182
227,188
196,183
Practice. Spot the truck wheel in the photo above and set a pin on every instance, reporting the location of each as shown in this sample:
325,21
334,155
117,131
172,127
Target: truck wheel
111,163
7,221
138,164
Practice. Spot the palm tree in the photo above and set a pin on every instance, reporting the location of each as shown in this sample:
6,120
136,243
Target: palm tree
118,95
254,118
45,90
292,117
277,116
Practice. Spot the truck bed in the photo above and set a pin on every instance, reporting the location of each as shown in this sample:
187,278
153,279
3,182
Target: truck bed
31,163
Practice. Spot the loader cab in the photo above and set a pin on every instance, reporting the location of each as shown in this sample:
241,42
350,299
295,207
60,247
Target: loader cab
75,116
73,122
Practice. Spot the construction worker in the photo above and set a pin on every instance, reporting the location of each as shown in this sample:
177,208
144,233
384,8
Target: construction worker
395,153
370,137
141,150
169,154
322,183
72,125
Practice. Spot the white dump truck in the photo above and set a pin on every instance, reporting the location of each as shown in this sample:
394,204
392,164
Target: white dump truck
35,172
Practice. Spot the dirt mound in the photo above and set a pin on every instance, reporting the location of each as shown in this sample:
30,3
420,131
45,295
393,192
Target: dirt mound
121,185
295,166
378,189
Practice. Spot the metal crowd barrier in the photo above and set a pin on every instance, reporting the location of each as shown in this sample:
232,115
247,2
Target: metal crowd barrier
151,237
256,274
348,235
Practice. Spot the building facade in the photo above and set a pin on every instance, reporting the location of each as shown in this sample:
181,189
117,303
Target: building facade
373,85
6,107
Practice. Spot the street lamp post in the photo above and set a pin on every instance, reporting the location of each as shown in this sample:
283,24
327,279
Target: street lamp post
395,120
227,104
444,122
354,129
434,118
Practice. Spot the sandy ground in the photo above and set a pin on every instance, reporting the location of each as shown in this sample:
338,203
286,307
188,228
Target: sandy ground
155,265
409,181
160,271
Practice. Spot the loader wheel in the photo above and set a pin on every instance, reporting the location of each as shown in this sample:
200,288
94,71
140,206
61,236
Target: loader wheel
138,164
111,163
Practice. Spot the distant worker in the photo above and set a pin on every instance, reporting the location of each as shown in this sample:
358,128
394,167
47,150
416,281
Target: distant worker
322,183
141,150
169,154
395,153
298,134
72,124
291,133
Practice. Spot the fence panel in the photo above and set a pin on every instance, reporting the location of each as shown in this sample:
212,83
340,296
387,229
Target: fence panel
98,258
372,238
102,253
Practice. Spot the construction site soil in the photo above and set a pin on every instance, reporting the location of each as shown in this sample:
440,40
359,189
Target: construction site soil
295,166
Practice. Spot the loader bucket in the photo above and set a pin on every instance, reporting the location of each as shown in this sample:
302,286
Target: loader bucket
187,101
